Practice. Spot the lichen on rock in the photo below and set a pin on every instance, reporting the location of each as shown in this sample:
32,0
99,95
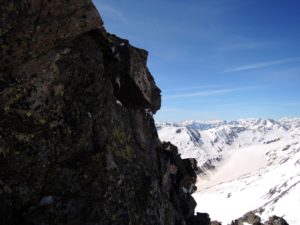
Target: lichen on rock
78,144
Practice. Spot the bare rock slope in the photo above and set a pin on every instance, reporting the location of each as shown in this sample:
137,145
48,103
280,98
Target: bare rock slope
78,143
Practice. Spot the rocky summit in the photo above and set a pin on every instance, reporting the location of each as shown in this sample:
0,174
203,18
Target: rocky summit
78,144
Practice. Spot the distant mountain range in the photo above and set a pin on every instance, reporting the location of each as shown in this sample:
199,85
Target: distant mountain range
249,164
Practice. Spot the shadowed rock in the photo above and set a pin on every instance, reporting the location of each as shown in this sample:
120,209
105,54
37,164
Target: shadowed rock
78,143
253,219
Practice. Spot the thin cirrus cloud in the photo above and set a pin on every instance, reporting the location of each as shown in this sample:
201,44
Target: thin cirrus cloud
111,13
191,88
209,92
245,46
292,104
261,65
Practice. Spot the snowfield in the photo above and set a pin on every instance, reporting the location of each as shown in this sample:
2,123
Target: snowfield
246,165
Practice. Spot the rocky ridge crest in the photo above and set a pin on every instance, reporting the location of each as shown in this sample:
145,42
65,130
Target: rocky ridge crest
78,144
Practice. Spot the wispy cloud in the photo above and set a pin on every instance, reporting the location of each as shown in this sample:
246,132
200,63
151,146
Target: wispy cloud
112,14
291,104
191,88
261,65
175,110
209,92
245,46
180,114
240,105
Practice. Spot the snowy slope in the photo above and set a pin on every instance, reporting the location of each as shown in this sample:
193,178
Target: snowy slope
251,164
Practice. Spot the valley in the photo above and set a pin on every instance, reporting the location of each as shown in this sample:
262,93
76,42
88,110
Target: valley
246,165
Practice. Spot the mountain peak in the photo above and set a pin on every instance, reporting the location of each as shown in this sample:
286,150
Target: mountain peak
244,165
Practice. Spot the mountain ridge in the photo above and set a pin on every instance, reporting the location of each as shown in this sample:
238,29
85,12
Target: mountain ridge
246,165
78,143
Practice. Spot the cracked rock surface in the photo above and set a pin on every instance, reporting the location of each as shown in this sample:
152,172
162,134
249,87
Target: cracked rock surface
78,143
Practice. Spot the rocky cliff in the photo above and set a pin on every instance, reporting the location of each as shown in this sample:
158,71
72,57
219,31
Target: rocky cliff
78,143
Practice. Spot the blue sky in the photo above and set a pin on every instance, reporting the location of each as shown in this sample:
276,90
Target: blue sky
216,59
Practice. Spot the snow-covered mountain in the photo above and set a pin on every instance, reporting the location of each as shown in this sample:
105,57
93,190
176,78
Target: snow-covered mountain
250,164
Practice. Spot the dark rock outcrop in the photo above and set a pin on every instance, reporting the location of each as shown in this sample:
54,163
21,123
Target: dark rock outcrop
253,219
78,143
214,222
275,220
200,219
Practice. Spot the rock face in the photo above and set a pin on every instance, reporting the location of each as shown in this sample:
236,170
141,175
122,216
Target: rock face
78,143
253,219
